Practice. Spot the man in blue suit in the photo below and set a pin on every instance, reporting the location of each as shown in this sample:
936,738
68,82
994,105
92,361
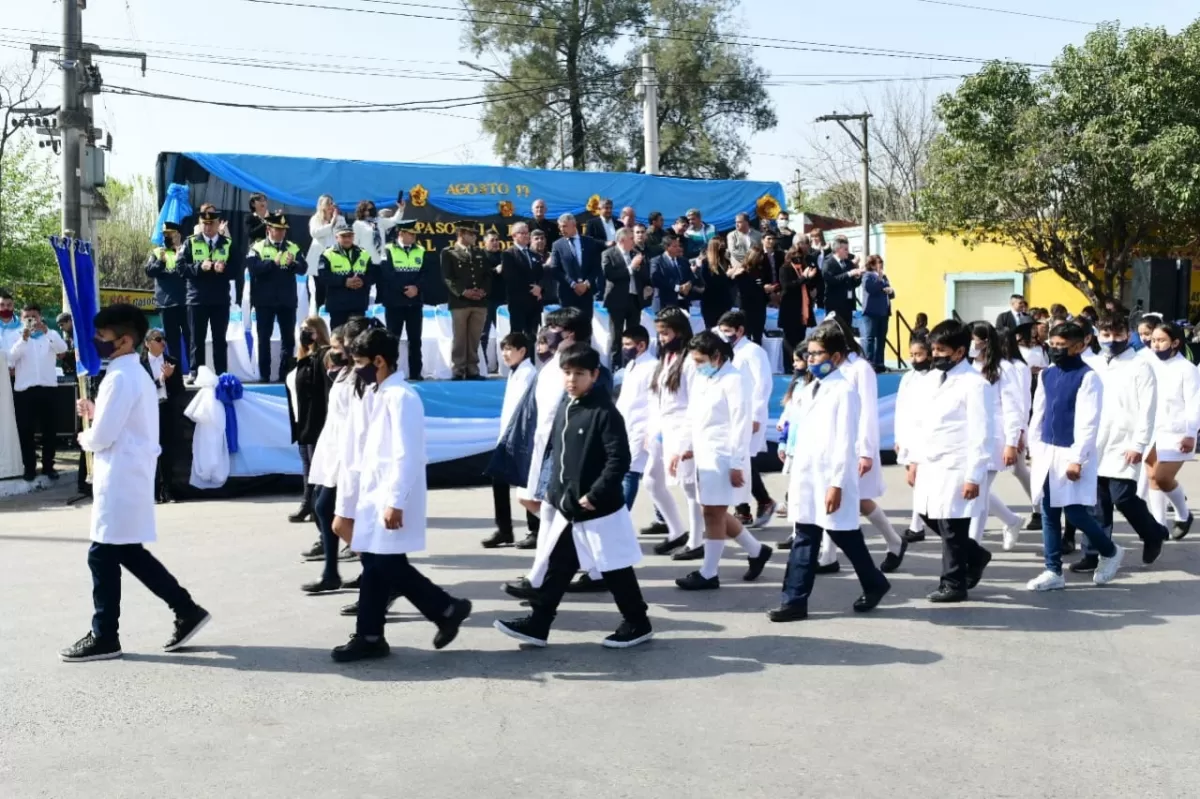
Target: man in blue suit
575,263
678,283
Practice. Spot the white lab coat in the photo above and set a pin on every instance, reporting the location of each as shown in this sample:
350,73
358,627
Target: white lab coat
754,364
605,544
519,381
825,456
1025,375
1051,462
907,408
327,455
863,379
951,442
669,416
1127,414
123,438
323,238
548,395
1009,400
719,430
634,405
387,470
10,446
1178,414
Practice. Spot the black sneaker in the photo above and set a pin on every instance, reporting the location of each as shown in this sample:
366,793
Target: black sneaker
891,561
945,595
347,554
521,589
785,545
525,630
698,582
584,584
528,542
352,585
1068,543
1035,522
460,609
1151,550
30,476
322,586
690,554
1182,528
1085,565
829,568
667,546
50,472
359,648
868,601
498,539
744,517
315,552
655,528
757,564
975,573
785,613
913,536
304,514
629,634
186,628
91,648
349,610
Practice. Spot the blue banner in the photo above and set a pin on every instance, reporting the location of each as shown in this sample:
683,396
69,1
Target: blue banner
175,209
78,273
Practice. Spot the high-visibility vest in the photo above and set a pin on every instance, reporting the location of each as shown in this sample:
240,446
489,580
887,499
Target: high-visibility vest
269,252
167,257
339,264
201,251
410,261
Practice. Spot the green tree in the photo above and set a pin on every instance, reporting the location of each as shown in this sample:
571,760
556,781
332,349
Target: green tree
123,239
27,212
1085,167
843,200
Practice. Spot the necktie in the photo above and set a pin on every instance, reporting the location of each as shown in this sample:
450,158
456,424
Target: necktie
376,238
942,380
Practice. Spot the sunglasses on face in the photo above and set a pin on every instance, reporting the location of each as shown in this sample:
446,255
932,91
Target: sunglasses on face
157,339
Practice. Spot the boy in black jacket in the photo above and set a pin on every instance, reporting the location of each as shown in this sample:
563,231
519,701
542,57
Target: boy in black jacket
590,456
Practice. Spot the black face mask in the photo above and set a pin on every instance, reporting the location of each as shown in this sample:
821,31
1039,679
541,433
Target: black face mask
674,345
1058,355
338,359
943,363
922,366
307,338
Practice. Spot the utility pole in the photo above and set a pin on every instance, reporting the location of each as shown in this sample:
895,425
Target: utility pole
863,146
647,89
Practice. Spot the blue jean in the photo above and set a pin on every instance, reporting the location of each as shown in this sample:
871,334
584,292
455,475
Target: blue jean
802,563
874,338
629,485
1082,518
323,504
106,560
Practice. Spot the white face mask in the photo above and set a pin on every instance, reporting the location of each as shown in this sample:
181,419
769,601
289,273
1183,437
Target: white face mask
973,352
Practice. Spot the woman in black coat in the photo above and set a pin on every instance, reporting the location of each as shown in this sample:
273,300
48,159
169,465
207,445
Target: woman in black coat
717,298
752,281
800,295
308,400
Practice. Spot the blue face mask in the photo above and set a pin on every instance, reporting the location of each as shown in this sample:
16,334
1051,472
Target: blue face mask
36,334
821,370
1113,348
707,370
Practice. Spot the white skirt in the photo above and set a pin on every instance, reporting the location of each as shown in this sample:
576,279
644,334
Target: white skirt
714,488
870,485
1171,453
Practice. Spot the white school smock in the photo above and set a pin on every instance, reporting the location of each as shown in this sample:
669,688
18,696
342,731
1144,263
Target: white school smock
825,455
1009,406
1025,375
864,381
669,416
752,361
1178,413
327,455
548,394
387,470
1127,414
519,381
1051,462
633,403
719,417
123,438
951,442
905,413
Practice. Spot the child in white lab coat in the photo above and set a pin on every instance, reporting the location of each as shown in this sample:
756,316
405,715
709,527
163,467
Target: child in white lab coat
1062,440
752,361
1175,424
515,352
823,482
789,420
123,437
381,502
718,444
633,403
907,409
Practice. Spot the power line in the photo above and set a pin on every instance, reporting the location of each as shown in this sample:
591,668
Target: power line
1007,11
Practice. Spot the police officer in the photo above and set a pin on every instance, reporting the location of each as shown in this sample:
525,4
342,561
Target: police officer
273,264
399,291
170,292
347,274
204,263
468,278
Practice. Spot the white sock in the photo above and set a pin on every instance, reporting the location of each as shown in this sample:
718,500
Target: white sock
1180,502
917,524
1157,501
1021,472
595,574
829,551
997,508
879,521
712,558
978,527
696,519
746,540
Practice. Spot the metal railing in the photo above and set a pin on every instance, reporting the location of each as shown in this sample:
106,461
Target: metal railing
894,346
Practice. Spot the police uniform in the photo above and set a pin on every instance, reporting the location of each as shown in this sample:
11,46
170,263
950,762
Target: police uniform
463,269
207,295
273,269
170,295
337,267
401,270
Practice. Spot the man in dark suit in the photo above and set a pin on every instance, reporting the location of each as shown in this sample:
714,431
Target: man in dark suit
168,382
1017,315
548,227
521,269
575,263
677,281
603,227
842,276
626,278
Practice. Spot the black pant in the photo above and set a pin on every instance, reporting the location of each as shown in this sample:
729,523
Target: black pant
793,334
339,318
169,415
756,323
412,317
200,319
106,560
306,456
503,505
960,552
319,293
176,330
35,413
488,323
620,319
1122,494
757,488
385,576
802,563
526,319
264,324
324,502
564,562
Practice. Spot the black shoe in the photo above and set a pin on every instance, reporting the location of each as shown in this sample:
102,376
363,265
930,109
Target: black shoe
359,648
521,589
1035,522
655,528
1068,544
91,648
186,628
1151,550
476,377
975,573
448,627
352,585
698,582
50,472
498,539
757,564
744,517
584,584
316,552
829,568
347,554
668,546
891,561
30,476
416,379
304,514
944,595
349,610
1085,565
785,545
322,586
913,536
868,601
525,630
528,542
690,554
459,377
1182,528
629,634
788,613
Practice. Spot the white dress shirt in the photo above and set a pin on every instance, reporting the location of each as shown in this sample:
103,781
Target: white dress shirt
610,228
156,368
33,360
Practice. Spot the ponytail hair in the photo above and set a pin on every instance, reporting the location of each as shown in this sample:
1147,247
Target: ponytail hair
991,362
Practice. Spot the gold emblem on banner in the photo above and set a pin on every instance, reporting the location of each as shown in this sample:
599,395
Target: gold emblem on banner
506,208
593,204
767,207
419,195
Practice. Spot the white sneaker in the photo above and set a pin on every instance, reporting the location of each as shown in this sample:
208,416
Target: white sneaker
1011,533
1046,581
1106,570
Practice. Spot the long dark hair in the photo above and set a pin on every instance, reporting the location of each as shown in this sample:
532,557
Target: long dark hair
707,343
354,327
1010,350
991,362
681,325
801,351
847,331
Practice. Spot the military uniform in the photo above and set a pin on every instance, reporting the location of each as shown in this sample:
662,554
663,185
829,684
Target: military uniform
463,269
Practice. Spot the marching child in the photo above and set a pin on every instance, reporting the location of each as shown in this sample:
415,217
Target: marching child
907,409
634,404
751,360
514,350
1176,421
